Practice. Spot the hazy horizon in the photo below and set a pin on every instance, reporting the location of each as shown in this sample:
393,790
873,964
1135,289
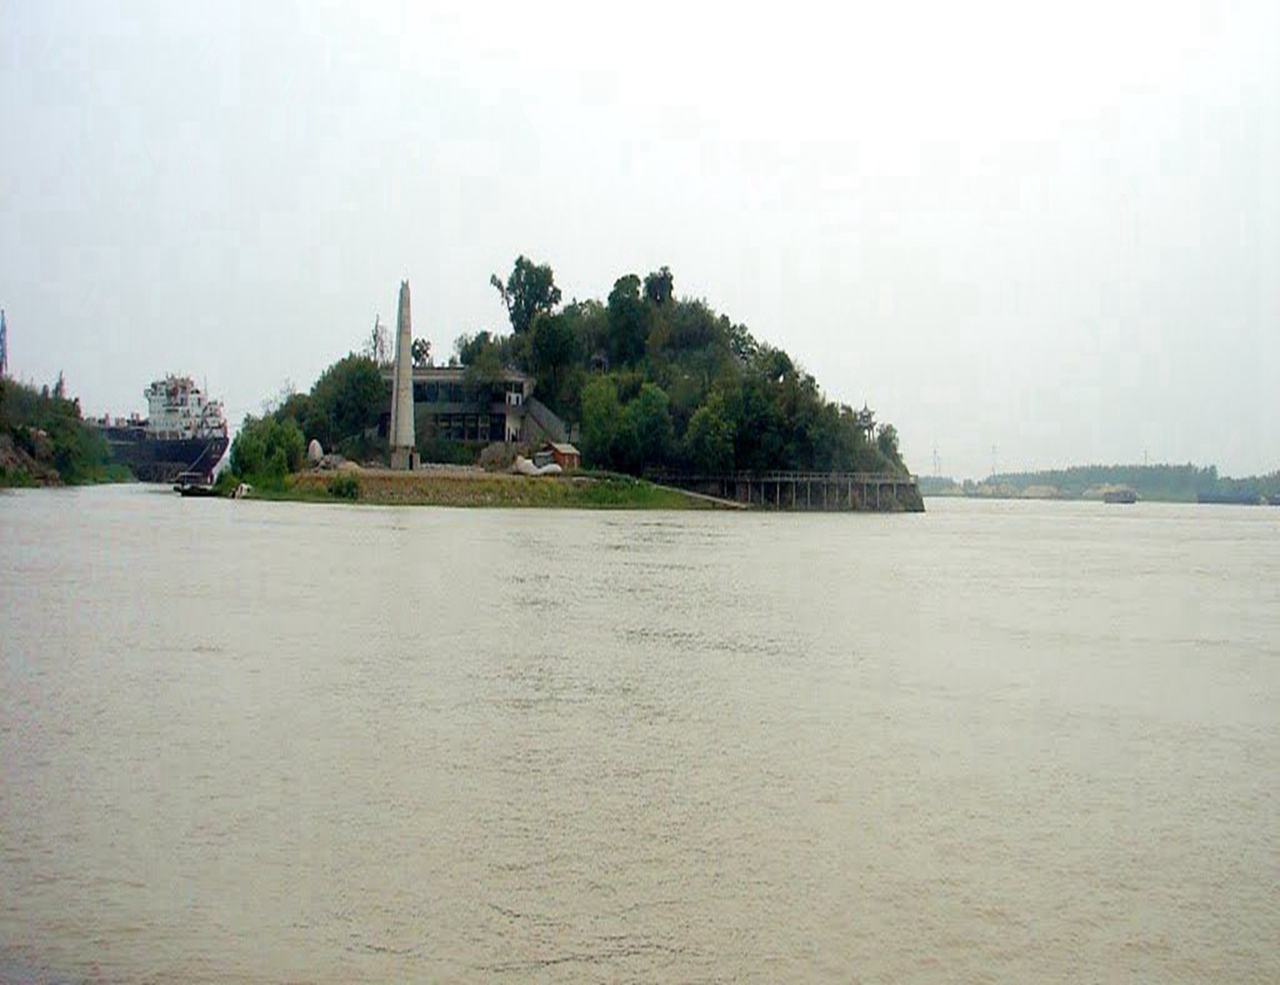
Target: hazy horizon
1051,232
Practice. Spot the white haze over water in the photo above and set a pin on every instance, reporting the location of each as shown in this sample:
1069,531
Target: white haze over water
1051,230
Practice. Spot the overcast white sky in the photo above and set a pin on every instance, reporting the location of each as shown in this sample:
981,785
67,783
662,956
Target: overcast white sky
1049,228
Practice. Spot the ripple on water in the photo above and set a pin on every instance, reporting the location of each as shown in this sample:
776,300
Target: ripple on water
991,743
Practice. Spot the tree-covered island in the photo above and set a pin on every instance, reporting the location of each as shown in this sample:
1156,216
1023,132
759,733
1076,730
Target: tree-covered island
645,382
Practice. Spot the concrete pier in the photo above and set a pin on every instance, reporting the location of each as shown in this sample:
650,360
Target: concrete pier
805,491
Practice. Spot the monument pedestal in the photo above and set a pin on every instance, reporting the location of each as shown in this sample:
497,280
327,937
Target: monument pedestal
405,459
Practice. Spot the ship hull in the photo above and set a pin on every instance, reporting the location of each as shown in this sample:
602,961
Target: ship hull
153,460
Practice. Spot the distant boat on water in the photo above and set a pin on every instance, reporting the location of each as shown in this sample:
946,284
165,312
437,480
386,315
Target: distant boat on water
194,484
1120,496
1230,498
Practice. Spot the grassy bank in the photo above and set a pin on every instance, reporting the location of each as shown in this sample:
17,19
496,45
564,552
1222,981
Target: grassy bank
463,487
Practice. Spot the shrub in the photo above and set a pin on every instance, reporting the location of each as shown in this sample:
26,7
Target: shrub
344,486
267,450
443,451
226,482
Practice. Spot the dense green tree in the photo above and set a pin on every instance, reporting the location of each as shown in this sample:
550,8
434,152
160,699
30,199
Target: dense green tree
249,449
348,399
659,287
529,291
601,415
742,343
297,408
838,439
485,367
628,322
555,349
887,442
590,323
267,449
695,327
708,442
650,418
626,453
624,436
287,438
772,364
469,347
483,356
759,430
686,389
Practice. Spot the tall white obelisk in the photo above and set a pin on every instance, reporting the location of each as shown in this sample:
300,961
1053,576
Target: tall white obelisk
403,454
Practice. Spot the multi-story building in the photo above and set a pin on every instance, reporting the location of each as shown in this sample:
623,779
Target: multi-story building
447,406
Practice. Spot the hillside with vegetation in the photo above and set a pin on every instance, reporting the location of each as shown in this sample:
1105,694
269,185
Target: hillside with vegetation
44,440
658,381
652,380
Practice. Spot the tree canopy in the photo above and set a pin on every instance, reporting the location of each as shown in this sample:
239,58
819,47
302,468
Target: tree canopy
347,401
628,322
267,449
659,287
661,382
530,290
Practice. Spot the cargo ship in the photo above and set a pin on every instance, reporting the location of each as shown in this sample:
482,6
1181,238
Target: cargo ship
184,432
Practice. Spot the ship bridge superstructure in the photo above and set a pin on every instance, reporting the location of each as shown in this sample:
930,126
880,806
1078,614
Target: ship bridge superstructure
178,410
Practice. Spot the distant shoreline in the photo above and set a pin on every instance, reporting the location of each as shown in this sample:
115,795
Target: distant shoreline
1035,497
1151,483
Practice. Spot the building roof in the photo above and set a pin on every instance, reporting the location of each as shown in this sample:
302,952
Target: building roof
564,448
452,374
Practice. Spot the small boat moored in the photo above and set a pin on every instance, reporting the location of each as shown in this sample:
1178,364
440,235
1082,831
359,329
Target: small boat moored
193,484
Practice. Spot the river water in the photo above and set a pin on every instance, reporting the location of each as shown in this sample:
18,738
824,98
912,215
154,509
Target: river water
999,742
